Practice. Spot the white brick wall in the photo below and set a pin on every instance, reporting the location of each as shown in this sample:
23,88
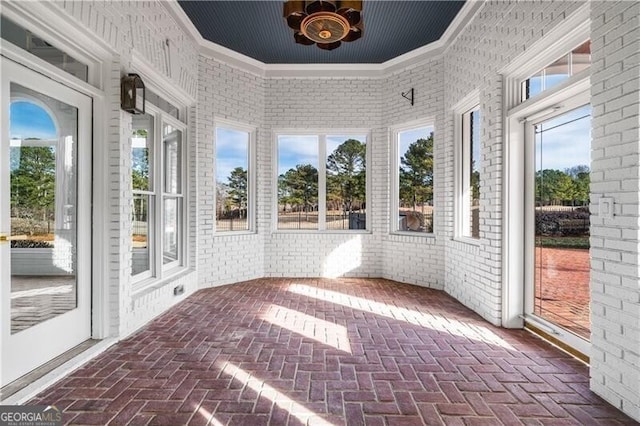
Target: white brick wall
472,273
415,259
615,253
135,28
328,103
496,35
232,94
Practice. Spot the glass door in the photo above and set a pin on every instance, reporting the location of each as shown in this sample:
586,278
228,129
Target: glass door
559,222
45,192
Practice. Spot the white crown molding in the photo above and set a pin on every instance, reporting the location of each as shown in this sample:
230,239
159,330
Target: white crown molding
232,58
176,11
253,66
324,70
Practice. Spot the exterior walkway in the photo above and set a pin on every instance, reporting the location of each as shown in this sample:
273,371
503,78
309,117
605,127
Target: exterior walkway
562,293
329,352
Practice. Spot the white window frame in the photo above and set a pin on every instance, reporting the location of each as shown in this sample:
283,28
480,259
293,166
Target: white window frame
573,31
223,123
151,207
394,203
462,157
92,54
159,270
322,177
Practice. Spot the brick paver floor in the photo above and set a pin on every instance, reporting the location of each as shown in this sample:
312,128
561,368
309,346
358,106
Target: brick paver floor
329,352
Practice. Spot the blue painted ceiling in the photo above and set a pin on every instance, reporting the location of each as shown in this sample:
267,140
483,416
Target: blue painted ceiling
258,30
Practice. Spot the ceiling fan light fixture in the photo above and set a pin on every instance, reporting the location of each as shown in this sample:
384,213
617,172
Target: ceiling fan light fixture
354,34
293,7
330,46
324,27
324,23
302,39
320,6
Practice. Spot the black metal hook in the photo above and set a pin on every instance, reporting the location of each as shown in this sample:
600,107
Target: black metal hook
408,95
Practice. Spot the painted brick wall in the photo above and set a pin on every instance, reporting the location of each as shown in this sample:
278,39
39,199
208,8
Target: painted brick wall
328,103
615,242
415,259
141,28
497,34
232,94
472,273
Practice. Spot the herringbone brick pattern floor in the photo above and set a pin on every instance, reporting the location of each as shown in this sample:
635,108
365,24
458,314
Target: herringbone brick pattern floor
328,352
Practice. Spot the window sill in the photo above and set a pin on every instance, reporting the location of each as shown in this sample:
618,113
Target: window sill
430,235
233,233
324,232
467,240
150,285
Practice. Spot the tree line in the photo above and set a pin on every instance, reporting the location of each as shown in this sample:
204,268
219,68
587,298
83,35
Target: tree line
568,187
33,182
346,181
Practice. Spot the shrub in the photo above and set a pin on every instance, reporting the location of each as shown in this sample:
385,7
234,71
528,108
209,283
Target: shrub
562,223
30,244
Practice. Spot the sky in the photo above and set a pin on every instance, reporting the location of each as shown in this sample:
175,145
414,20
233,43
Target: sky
232,150
476,143
562,143
304,149
562,147
410,136
29,120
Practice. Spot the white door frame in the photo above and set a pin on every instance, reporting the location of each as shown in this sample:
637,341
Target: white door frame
25,350
51,22
518,250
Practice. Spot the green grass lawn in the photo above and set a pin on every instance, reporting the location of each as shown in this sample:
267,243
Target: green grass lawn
563,242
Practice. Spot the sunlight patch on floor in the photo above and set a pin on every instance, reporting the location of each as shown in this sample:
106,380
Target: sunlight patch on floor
432,321
322,331
259,386
60,289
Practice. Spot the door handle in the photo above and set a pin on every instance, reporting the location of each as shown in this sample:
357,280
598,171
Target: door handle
3,238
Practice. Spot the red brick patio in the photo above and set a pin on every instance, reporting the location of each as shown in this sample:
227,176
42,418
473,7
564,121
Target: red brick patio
329,352
562,288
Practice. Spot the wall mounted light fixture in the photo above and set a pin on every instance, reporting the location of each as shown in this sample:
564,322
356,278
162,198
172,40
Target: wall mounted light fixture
132,94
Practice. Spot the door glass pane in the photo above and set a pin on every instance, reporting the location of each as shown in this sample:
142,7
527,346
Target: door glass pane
562,155
172,140
346,182
43,173
171,230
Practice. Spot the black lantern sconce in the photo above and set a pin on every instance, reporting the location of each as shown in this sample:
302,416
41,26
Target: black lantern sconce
132,94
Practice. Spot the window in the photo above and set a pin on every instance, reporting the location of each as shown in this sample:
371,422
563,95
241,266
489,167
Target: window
143,193
470,174
25,39
413,180
322,181
575,61
234,177
158,197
